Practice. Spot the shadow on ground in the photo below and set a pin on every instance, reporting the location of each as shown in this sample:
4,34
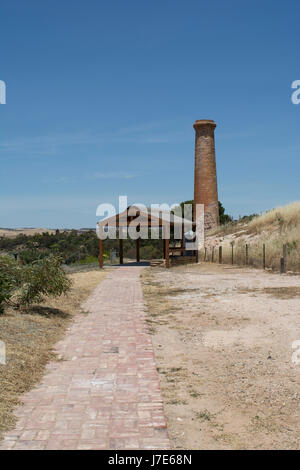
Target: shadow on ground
47,312
130,263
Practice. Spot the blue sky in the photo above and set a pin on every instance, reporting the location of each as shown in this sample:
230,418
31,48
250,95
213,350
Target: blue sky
102,96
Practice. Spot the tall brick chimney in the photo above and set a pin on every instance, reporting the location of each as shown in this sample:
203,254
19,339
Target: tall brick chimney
205,184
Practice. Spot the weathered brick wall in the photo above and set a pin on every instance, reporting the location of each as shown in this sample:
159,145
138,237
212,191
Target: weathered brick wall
205,184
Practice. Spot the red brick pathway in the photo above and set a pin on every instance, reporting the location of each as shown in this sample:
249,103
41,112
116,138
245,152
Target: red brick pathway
105,392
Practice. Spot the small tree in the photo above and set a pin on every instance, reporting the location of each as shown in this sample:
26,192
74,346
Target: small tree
9,279
42,278
224,218
23,285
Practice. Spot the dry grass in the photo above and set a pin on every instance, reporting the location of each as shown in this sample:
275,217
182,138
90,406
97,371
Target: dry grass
29,337
288,216
287,292
13,233
274,251
159,300
281,217
274,228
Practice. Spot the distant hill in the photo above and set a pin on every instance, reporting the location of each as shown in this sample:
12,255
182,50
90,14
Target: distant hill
12,233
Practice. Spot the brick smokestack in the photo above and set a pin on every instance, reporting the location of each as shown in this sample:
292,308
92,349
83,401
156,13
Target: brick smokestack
205,184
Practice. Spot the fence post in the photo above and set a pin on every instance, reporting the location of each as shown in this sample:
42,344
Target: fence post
232,244
205,250
220,255
264,256
284,257
247,255
212,254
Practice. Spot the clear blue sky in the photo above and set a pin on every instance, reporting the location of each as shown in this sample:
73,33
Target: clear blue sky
102,96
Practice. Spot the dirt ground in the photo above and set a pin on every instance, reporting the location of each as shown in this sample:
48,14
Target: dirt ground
29,337
223,342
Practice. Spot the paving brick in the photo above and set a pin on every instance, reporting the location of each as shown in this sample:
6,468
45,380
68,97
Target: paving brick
105,394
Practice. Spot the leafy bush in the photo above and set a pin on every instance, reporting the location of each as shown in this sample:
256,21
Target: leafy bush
41,278
9,279
247,218
224,218
31,255
23,285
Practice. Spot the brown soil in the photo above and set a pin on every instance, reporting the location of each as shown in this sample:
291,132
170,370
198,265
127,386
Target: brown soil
29,337
223,341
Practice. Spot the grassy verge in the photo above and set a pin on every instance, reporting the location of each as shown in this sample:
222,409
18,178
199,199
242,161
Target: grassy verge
29,337
274,228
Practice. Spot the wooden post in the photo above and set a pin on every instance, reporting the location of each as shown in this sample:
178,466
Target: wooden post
205,251
282,271
137,250
220,255
231,252
284,257
164,245
167,252
264,256
247,255
182,241
121,250
100,253
212,254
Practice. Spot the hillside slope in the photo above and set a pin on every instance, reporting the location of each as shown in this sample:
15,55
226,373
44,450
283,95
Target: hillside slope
13,233
274,228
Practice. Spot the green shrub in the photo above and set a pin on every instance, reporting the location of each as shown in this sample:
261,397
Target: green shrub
224,218
23,285
9,279
31,255
44,277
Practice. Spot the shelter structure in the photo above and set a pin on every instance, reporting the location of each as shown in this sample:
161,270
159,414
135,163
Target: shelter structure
141,222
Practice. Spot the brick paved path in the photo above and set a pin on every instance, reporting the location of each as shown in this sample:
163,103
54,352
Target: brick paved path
105,393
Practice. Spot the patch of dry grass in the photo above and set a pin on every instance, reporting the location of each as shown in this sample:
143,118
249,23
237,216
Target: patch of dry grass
288,215
288,292
159,300
274,251
30,335
284,292
274,228
13,233
281,217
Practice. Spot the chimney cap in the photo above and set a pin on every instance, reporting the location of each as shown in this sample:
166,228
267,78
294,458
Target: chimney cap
204,122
